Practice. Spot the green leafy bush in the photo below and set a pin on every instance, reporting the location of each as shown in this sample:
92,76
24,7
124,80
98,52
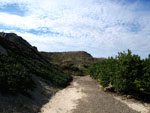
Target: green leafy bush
94,70
129,69
14,77
143,83
48,72
103,71
16,74
126,72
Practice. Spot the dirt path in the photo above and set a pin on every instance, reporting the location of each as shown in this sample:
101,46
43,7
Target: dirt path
84,96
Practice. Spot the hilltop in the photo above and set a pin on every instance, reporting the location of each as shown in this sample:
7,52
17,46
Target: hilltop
73,62
11,43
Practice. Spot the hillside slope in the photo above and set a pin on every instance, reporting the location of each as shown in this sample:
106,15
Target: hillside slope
17,54
27,79
11,43
75,62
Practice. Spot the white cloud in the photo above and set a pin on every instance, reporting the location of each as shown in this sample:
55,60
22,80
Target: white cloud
97,26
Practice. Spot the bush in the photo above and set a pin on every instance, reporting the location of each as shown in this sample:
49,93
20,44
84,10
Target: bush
143,83
94,70
103,71
14,78
48,72
126,73
129,69
16,74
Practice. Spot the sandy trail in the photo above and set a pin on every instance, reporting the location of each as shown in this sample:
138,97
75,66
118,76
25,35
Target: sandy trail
65,100
85,96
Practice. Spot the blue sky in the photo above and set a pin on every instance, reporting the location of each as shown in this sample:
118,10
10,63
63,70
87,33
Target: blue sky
100,27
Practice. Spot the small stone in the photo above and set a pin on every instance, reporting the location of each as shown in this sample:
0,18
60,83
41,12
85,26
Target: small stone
129,96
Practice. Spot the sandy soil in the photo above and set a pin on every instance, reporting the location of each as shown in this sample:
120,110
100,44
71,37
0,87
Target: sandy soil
138,106
23,104
85,96
65,100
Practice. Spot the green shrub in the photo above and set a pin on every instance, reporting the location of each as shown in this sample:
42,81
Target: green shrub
143,83
103,71
128,71
16,74
94,70
50,73
110,66
14,77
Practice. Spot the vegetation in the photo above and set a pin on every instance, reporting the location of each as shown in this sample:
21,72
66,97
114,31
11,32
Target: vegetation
47,71
126,73
20,61
14,77
74,63
16,74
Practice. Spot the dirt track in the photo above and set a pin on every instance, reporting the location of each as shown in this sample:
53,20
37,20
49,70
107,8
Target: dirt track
84,96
